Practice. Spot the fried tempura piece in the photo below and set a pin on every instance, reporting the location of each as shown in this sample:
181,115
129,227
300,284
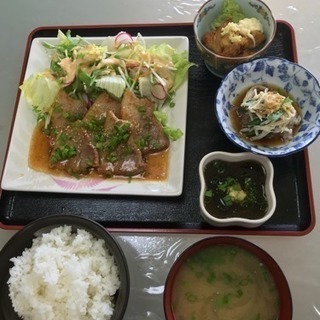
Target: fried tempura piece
238,45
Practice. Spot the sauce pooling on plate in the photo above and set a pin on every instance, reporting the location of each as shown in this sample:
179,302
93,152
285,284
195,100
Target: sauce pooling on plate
39,160
235,189
224,282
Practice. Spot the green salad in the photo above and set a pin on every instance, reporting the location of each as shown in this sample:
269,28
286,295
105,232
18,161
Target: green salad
84,69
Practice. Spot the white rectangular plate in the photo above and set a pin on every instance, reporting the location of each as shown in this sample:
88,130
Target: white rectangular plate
18,176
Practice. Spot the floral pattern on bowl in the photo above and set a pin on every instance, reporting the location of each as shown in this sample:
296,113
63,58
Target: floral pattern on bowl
209,11
292,77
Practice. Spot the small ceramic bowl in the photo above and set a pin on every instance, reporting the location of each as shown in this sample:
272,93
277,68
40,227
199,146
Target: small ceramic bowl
24,238
215,266
208,12
218,219
298,82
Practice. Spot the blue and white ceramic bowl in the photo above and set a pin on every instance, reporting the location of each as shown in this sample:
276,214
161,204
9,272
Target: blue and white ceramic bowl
294,79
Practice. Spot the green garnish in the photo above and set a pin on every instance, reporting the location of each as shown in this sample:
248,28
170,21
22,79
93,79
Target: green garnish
227,200
173,133
120,134
191,297
231,11
208,193
275,116
63,153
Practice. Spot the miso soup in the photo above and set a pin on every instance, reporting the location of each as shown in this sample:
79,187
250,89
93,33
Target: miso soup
224,282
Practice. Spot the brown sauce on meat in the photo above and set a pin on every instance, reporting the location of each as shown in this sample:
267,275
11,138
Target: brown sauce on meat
157,164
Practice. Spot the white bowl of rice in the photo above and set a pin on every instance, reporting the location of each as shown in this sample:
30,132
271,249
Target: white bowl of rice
63,267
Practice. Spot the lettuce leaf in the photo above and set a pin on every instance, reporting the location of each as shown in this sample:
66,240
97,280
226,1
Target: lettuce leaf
231,11
182,65
115,85
180,62
40,90
172,133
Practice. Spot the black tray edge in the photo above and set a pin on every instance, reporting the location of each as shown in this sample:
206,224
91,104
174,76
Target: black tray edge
208,229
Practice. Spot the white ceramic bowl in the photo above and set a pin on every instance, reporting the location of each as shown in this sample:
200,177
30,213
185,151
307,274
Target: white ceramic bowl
269,191
301,85
208,12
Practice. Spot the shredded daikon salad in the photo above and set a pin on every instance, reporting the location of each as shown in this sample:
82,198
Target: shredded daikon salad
84,69
269,112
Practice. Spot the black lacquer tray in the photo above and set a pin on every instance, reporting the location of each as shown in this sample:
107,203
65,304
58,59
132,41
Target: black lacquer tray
294,213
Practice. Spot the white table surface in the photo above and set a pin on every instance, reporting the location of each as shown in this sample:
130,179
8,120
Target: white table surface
151,255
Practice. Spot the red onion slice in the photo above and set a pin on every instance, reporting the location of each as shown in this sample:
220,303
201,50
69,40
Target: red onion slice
158,91
122,37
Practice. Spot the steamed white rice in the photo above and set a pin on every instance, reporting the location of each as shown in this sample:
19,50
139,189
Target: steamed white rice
64,275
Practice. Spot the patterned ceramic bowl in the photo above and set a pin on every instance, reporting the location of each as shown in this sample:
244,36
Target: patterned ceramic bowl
298,82
220,65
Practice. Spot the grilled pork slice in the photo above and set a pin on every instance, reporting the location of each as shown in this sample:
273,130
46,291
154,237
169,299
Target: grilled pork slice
148,133
73,150
101,106
119,155
66,110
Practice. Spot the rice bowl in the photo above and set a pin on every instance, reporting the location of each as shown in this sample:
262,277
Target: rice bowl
63,267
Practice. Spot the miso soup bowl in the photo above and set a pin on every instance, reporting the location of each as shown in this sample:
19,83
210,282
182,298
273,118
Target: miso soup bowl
208,12
268,188
266,261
